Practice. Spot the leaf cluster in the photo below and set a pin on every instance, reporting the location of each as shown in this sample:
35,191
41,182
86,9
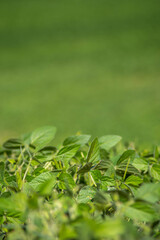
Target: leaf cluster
90,189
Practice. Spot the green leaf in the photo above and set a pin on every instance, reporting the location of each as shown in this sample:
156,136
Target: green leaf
2,168
43,158
47,187
38,183
110,229
42,136
67,152
13,143
130,170
155,171
125,156
119,195
19,179
100,198
107,181
133,180
67,232
156,152
86,194
108,141
86,168
96,174
26,138
104,164
149,192
10,179
93,153
66,181
140,163
77,139
141,211
13,206
48,149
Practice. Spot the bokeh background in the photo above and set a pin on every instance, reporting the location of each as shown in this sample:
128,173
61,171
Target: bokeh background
81,65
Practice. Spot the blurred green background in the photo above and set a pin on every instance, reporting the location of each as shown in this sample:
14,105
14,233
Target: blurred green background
81,65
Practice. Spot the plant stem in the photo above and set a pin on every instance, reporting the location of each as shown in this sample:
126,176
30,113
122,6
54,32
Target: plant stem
27,169
124,176
92,180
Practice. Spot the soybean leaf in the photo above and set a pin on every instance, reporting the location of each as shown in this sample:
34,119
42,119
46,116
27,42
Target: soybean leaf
140,163
13,143
77,139
13,206
48,149
43,158
156,152
41,137
10,180
155,171
149,192
112,228
141,211
133,180
85,168
26,138
125,156
67,232
67,152
100,198
19,179
93,153
66,181
2,168
38,183
130,168
107,181
86,194
104,164
47,187
96,174
108,141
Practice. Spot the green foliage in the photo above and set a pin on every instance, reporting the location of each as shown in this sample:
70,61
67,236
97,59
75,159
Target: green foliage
81,190
77,139
109,141
42,136
93,152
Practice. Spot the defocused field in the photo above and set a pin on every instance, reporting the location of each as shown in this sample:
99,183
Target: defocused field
81,65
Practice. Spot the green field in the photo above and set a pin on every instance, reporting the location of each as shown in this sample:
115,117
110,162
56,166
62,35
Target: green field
89,66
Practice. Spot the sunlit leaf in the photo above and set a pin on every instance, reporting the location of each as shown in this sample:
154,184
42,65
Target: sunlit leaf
155,171
149,192
77,139
125,156
13,143
13,206
141,211
93,153
2,168
133,180
85,168
42,137
86,194
67,152
140,163
39,182
66,181
109,141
